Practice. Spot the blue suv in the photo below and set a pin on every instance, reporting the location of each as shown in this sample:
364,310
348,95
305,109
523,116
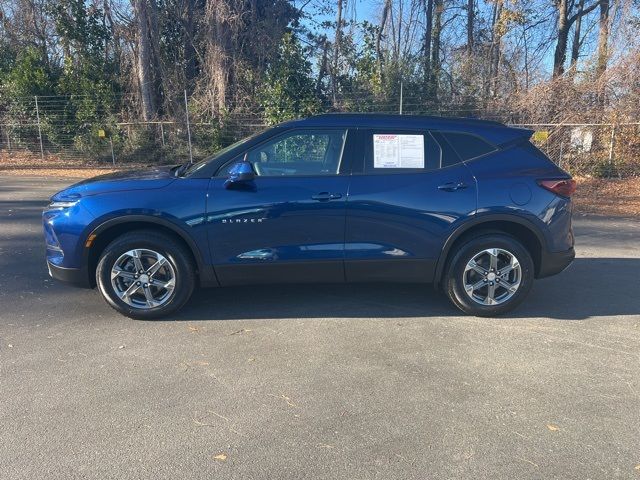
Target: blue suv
468,205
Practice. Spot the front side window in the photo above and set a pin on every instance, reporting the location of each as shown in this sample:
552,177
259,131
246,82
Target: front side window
299,152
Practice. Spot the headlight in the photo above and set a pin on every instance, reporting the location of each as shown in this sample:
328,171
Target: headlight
63,204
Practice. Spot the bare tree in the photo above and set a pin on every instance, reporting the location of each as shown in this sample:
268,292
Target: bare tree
324,64
565,21
428,34
383,22
603,50
438,6
144,60
577,38
336,51
603,37
189,48
495,48
470,24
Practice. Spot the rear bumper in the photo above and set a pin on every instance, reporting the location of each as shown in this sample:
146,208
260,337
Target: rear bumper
553,263
74,276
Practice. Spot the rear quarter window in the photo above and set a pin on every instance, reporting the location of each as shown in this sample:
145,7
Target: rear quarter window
467,146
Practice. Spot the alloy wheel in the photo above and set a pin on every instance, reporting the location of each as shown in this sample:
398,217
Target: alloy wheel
492,276
143,278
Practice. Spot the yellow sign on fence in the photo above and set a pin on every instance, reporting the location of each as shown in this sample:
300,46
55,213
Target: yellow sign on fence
102,133
541,135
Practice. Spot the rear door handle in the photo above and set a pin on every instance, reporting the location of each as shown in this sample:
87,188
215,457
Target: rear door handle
452,186
326,196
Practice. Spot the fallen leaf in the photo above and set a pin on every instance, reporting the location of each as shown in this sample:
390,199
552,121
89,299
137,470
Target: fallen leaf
220,457
194,329
552,427
242,330
121,347
638,467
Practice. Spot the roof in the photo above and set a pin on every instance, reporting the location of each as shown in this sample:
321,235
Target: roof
385,119
494,132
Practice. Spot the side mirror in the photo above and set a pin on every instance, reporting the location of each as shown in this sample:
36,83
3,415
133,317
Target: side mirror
240,174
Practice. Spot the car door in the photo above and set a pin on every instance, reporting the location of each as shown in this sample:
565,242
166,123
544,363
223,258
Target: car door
287,224
407,194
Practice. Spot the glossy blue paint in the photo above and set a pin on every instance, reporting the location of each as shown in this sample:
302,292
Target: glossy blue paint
353,226
155,195
406,216
277,220
497,174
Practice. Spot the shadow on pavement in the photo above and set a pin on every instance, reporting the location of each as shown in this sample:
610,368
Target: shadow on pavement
590,287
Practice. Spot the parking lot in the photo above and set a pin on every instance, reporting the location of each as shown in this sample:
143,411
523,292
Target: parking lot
310,382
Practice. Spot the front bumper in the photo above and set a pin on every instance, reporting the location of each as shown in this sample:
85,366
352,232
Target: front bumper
75,276
552,263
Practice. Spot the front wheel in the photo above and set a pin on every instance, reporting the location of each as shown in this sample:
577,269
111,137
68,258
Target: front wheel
145,275
489,275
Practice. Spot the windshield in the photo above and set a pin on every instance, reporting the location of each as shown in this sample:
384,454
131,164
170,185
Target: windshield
197,166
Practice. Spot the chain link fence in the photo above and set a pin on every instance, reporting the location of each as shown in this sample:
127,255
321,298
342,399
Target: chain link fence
72,132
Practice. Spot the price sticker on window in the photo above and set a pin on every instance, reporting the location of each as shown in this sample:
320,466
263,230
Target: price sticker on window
398,151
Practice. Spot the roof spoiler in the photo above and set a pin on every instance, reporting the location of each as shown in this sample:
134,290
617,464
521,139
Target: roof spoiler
515,135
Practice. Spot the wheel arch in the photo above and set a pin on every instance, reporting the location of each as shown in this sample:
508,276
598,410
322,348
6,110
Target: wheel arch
522,229
107,231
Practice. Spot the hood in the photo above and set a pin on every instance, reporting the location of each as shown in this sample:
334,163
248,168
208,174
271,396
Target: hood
127,180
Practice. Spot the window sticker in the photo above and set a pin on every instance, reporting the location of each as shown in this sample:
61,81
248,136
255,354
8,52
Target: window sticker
398,151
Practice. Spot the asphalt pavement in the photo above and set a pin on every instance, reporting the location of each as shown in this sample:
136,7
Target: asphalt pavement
319,382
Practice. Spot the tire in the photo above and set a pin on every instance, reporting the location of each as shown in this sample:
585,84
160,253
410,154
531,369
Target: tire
169,287
509,289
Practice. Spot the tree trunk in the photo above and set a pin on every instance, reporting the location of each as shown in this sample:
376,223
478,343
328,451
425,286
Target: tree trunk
560,53
399,40
145,61
575,47
336,53
603,50
218,60
323,66
189,50
564,25
496,48
603,37
383,22
158,74
470,22
428,33
435,48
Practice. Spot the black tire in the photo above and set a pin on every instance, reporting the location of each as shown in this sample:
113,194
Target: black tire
455,274
172,250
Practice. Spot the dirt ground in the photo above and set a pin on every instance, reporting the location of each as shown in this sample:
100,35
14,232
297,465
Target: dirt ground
619,197
20,164
59,173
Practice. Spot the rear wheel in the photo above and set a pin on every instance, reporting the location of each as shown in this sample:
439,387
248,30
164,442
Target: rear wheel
145,275
489,275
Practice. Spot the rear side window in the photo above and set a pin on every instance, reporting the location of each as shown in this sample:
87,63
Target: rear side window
467,146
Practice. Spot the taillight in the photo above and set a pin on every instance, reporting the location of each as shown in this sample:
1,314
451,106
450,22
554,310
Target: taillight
564,186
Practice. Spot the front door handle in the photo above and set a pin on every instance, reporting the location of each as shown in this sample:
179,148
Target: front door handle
326,196
452,186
